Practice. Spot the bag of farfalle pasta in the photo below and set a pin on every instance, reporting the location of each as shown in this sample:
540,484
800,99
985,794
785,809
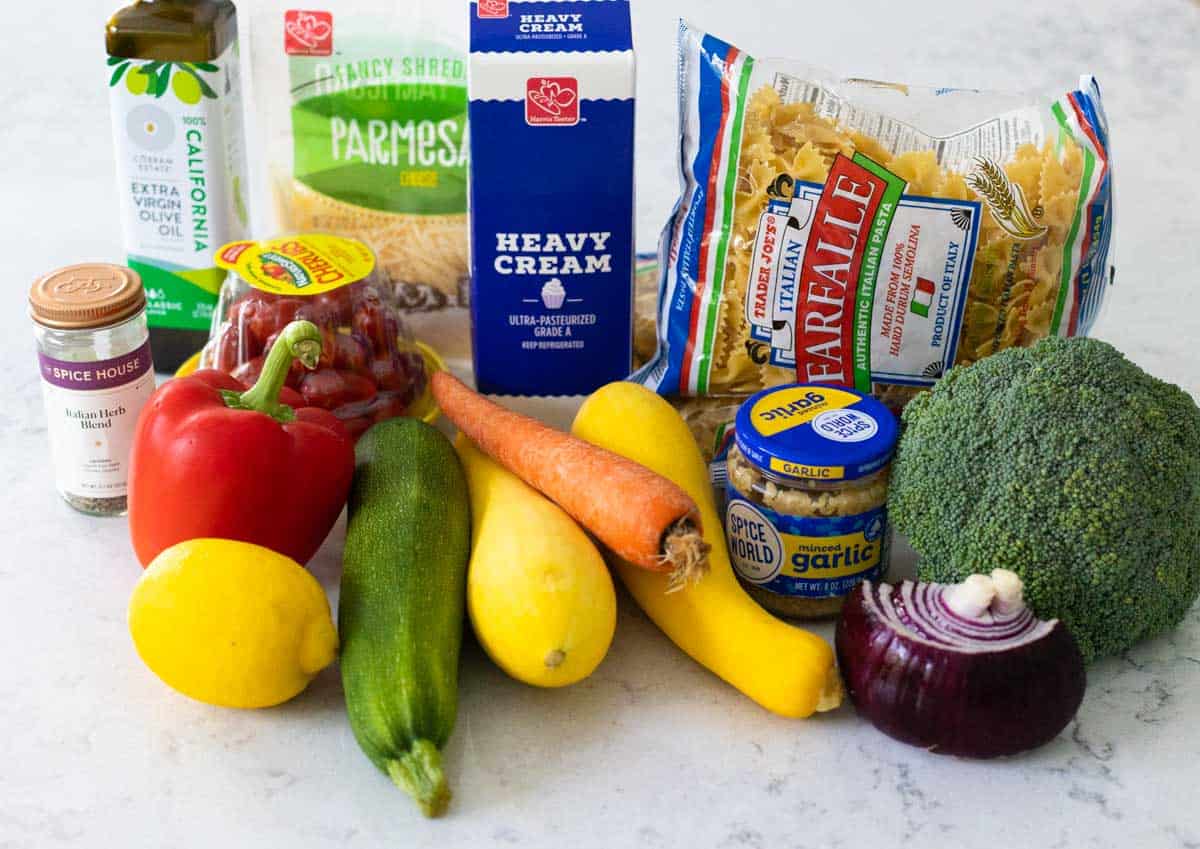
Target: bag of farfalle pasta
871,234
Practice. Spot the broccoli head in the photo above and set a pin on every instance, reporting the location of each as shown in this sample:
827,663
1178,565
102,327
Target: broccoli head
1069,465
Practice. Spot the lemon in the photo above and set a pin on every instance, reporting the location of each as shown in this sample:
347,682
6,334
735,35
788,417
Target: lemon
231,624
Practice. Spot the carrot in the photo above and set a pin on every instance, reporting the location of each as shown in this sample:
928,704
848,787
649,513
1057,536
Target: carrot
638,514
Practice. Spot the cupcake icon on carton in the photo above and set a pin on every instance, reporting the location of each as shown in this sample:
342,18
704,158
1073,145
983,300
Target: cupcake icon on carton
553,294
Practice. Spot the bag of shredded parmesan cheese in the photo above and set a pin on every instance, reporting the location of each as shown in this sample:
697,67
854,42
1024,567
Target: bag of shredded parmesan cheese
871,234
364,104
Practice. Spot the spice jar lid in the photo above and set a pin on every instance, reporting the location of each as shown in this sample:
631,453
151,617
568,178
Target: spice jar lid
814,432
91,294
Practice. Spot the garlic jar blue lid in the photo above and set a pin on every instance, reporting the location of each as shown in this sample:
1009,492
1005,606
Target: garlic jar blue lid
815,432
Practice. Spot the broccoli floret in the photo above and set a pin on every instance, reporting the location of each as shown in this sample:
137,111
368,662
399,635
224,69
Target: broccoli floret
1069,465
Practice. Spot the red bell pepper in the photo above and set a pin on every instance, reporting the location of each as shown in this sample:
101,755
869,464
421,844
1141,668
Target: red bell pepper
211,459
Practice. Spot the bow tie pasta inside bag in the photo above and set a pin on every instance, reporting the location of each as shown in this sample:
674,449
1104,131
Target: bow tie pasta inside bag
871,234
364,107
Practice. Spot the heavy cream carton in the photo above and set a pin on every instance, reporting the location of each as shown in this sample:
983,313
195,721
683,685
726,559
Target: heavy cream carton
551,90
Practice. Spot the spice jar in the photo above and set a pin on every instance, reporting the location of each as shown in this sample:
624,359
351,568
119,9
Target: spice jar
806,515
97,374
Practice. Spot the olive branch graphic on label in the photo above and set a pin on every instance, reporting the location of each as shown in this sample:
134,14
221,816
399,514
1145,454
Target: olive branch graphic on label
1005,199
153,78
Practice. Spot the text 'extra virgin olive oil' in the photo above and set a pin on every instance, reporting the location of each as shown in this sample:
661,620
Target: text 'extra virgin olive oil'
174,87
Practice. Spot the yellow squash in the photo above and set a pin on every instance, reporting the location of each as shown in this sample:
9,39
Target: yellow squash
539,595
231,624
784,668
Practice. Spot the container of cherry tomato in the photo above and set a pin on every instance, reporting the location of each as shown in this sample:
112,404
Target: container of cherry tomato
370,367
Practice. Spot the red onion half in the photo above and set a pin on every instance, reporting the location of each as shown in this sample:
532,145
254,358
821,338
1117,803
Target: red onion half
963,669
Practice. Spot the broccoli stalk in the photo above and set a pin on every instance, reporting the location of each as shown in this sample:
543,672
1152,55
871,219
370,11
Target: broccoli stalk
1070,466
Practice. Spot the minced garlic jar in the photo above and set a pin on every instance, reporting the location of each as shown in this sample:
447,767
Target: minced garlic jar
806,510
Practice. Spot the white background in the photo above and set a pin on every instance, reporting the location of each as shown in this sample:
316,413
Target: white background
651,751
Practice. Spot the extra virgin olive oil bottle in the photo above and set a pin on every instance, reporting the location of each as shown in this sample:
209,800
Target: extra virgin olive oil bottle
174,88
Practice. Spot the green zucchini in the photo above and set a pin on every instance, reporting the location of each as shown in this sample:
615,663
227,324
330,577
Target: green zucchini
400,615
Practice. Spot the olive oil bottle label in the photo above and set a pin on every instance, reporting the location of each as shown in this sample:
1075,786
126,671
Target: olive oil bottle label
177,129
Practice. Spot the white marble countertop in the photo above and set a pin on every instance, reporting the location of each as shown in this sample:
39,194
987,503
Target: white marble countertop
652,750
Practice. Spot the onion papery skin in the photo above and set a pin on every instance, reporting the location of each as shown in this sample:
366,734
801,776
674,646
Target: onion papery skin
981,702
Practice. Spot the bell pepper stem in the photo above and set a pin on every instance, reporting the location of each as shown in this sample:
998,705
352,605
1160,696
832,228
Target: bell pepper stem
299,340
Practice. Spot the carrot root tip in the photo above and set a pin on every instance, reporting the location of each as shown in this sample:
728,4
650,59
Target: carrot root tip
686,551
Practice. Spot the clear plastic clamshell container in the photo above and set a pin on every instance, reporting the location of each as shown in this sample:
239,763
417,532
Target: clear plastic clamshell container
370,368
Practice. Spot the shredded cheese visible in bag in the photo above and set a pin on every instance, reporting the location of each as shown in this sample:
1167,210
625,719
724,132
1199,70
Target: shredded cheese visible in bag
425,254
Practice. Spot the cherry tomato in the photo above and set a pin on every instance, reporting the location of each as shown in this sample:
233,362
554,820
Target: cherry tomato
247,373
356,427
402,372
375,320
387,405
284,311
362,414
350,352
254,316
388,372
329,388
245,307
332,308
291,397
415,365
234,348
